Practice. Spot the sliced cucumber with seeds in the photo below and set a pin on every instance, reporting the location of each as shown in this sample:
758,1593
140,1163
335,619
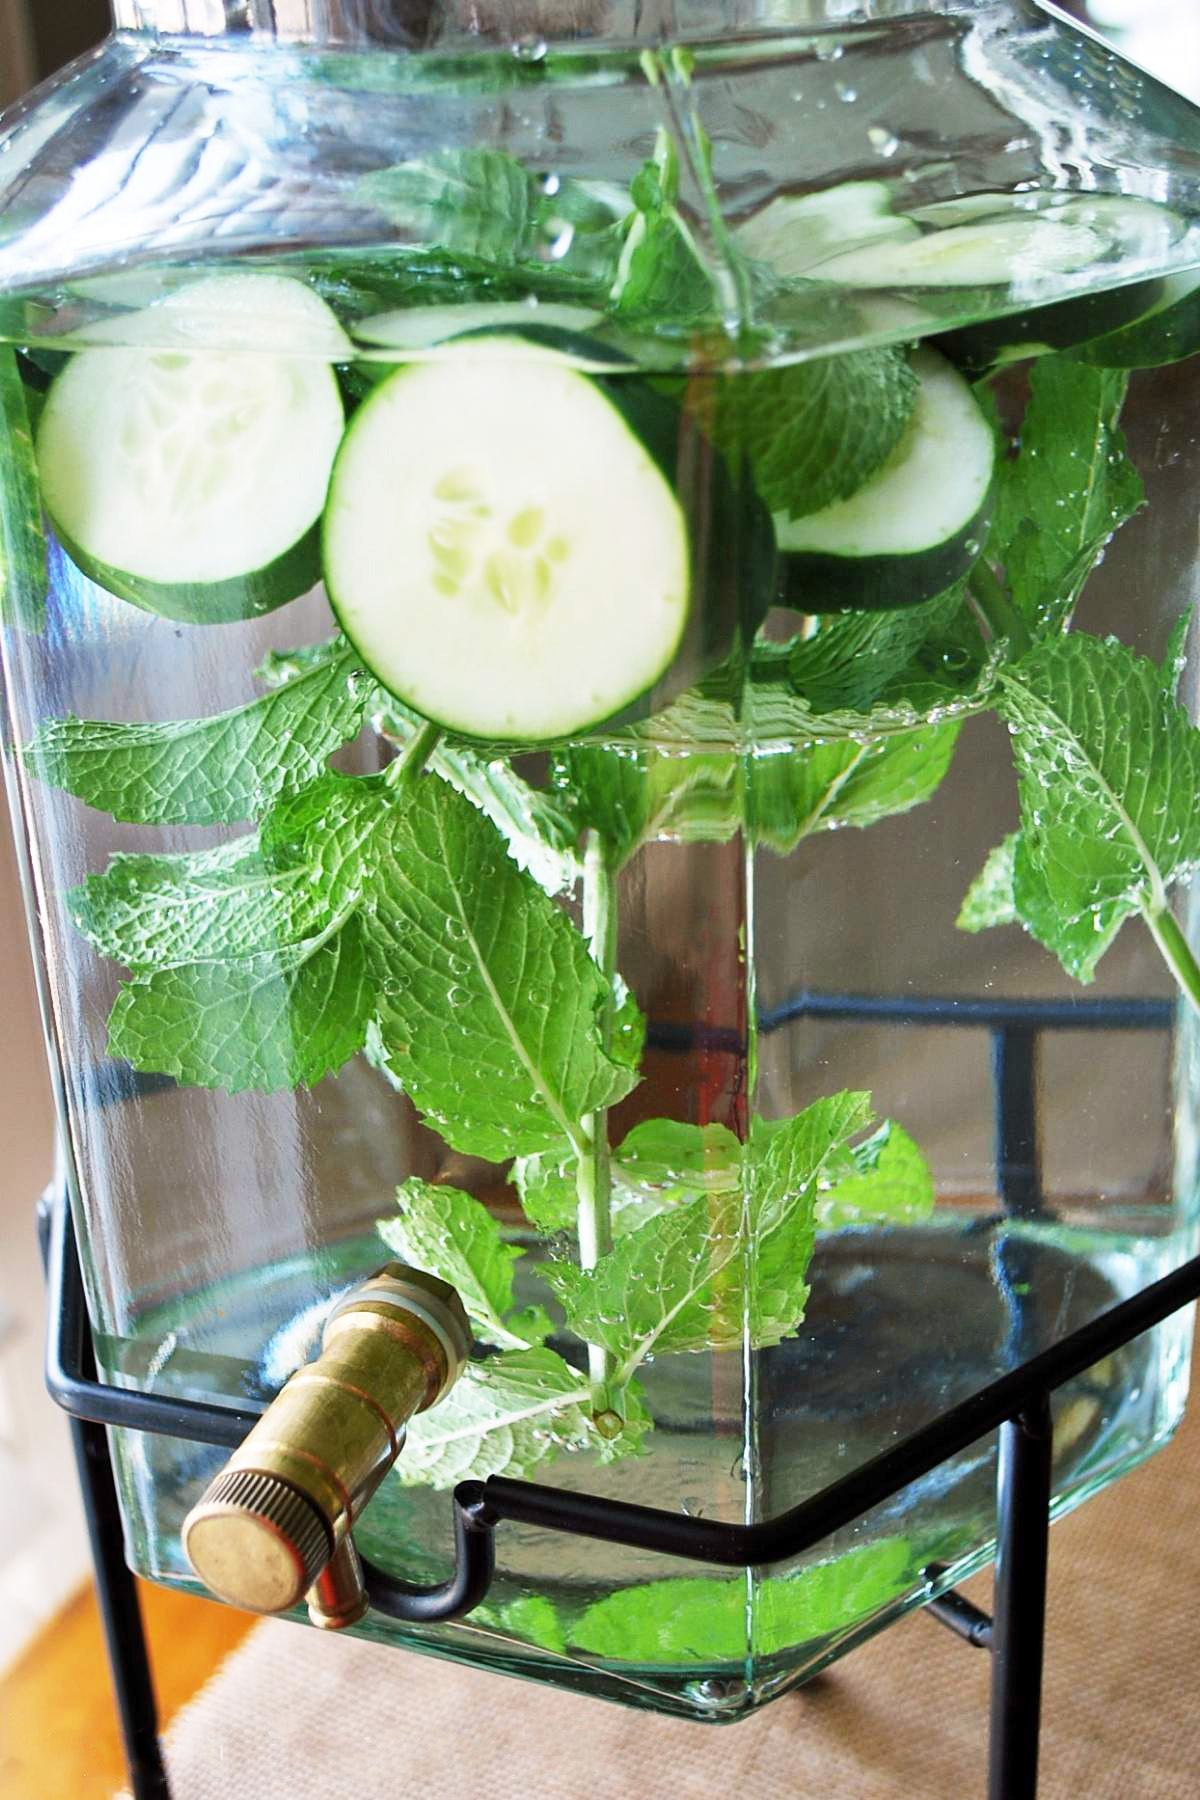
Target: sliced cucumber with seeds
795,233
994,253
508,554
191,482
916,526
1133,229
1062,325
1168,333
423,327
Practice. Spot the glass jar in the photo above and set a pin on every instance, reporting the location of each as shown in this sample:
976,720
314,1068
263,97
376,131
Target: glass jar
596,645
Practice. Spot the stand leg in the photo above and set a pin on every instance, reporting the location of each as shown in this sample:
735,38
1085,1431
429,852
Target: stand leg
121,1614
1019,1628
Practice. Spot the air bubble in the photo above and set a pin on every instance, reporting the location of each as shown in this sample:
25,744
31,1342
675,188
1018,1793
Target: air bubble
883,141
531,49
847,94
830,52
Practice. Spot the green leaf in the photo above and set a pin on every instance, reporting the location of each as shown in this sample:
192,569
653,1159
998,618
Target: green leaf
279,1019
450,1234
893,1184
678,1158
530,1617
852,657
478,970
506,1415
546,1184
23,577
1109,781
148,911
701,1620
217,770
1068,489
732,1258
468,203
823,787
660,1163
481,212
661,275
812,432
990,900
635,796
1175,657
535,824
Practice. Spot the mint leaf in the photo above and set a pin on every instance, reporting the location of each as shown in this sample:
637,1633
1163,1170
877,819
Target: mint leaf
278,1019
206,771
145,911
673,1158
1109,783
660,1163
23,577
696,1619
812,432
535,824
826,786
892,1185
1069,488
1175,657
634,796
482,212
661,275
546,1184
472,204
452,1235
730,1259
990,900
852,657
478,970
504,1416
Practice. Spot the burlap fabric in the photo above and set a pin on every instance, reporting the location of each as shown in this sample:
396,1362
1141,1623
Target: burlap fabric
294,1715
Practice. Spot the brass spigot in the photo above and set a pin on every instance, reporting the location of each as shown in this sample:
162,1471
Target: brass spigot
274,1524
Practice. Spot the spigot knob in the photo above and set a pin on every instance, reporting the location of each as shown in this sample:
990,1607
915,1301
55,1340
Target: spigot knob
267,1528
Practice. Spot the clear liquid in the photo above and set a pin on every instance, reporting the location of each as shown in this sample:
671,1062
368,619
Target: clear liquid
219,1225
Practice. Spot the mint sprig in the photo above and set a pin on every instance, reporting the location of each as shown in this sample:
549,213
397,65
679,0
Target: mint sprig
1070,486
476,968
812,432
219,770
1108,768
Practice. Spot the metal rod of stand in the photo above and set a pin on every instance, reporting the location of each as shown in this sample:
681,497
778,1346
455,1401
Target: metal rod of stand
116,1590
121,1614
1019,1622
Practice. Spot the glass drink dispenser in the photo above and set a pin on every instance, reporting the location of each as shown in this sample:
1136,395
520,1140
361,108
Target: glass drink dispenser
596,619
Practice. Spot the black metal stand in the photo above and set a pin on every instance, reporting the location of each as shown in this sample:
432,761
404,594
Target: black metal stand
1017,1404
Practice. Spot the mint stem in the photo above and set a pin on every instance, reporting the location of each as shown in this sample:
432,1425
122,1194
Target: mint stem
995,603
593,1179
1176,952
415,754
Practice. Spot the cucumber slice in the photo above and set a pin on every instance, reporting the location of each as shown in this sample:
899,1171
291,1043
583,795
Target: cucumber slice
795,233
423,327
1060,326
508,555
192,482
1134,230
275,314
1016,251
916,526
1168,333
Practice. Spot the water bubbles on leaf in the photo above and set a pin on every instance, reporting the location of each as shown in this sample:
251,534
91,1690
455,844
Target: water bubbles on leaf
829,50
